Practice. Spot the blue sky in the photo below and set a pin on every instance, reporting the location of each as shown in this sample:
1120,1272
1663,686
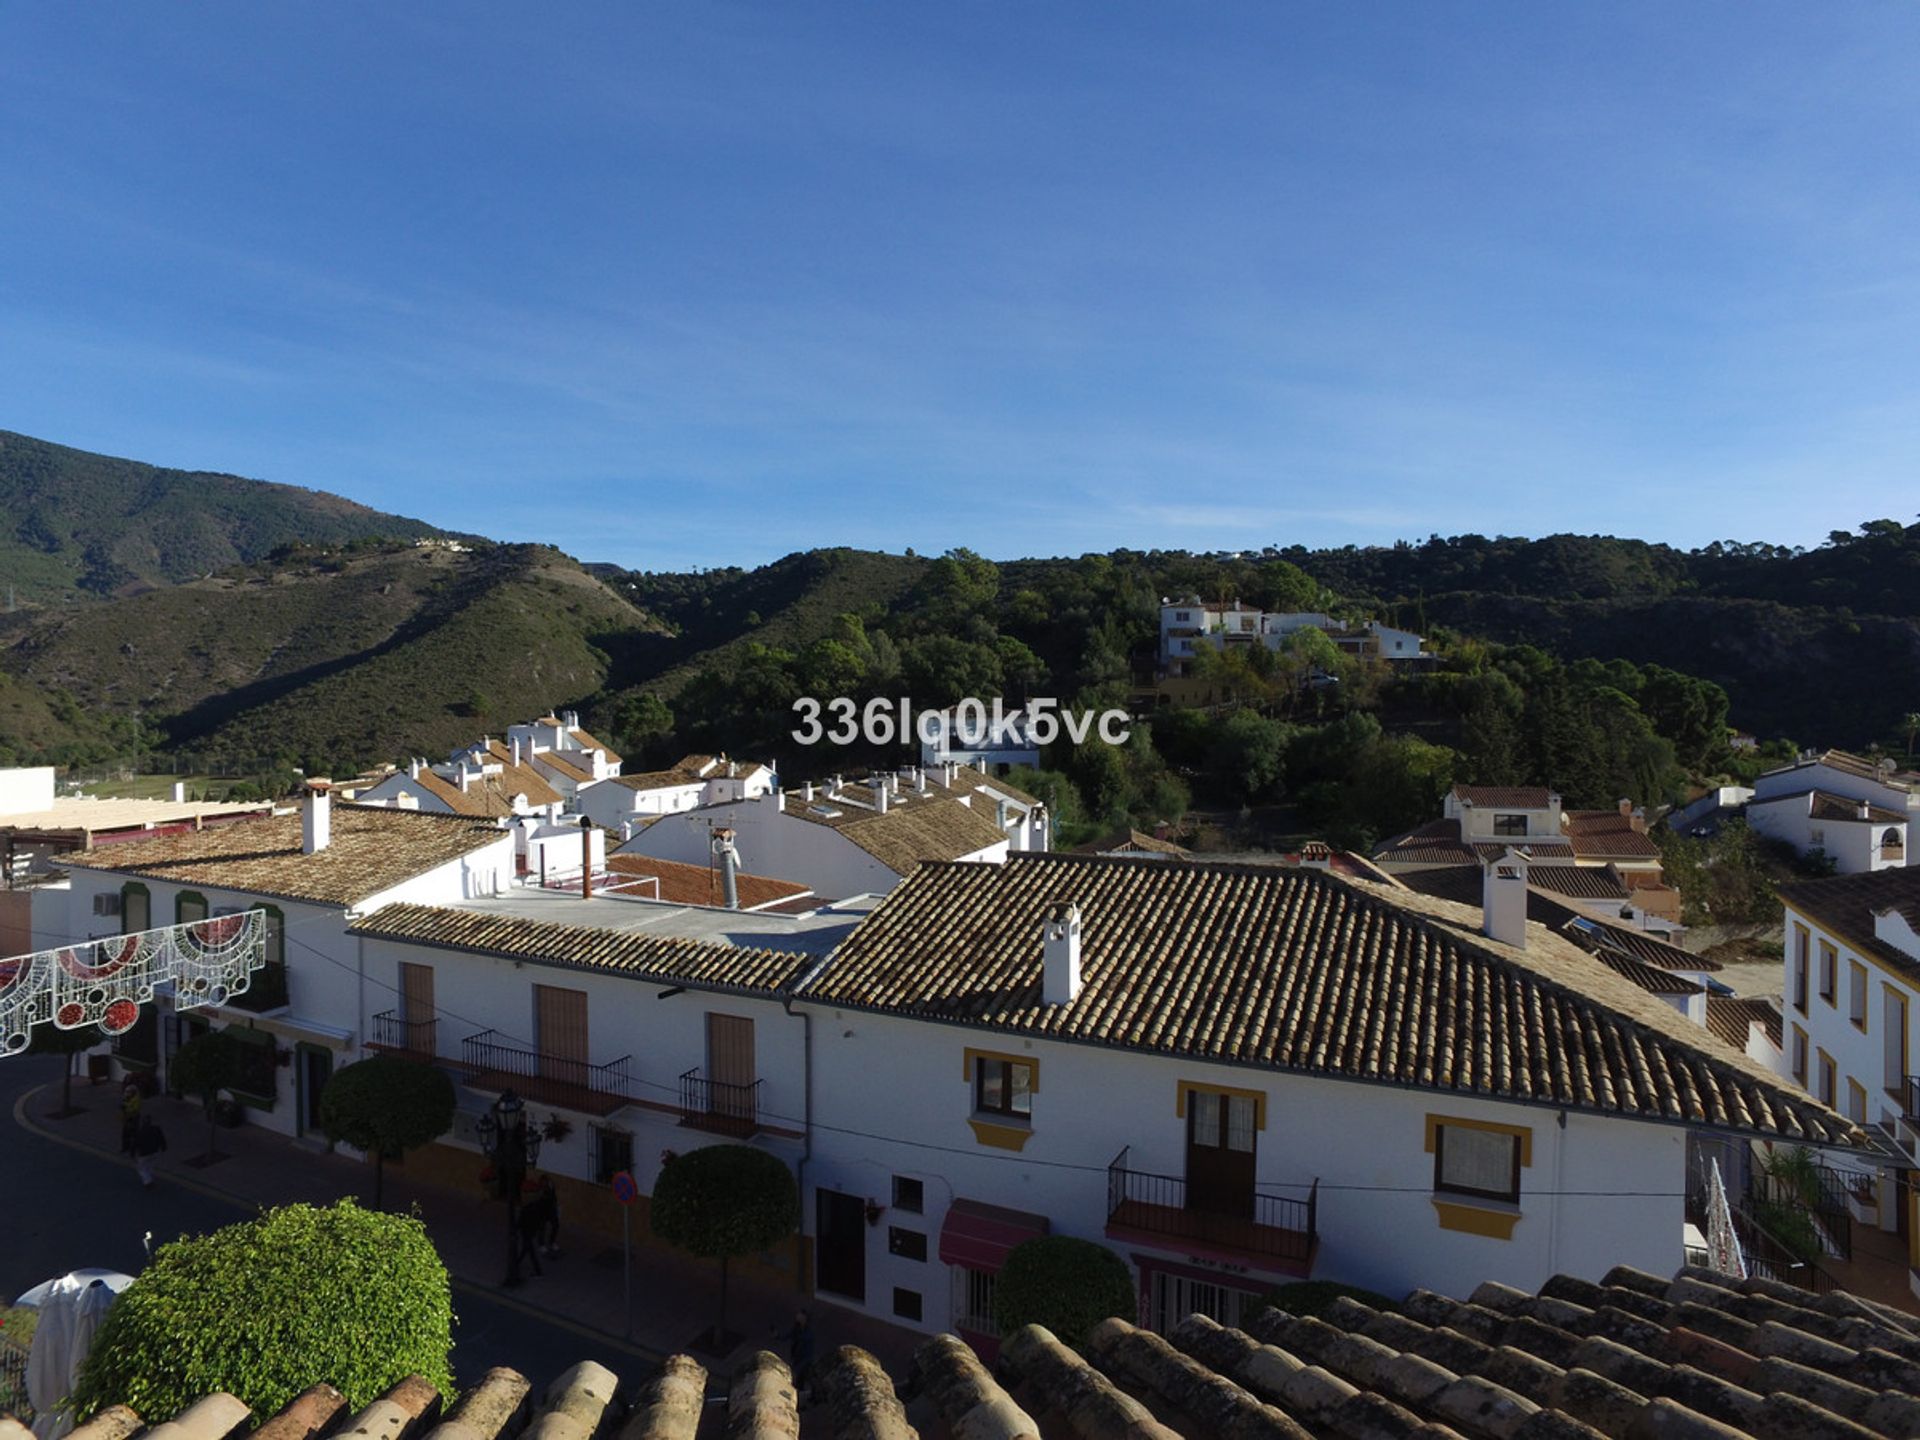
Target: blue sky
706,283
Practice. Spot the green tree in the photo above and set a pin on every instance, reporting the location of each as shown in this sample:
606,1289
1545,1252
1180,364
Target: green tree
1066,1284
723,1201
203,1067
264,1308
52,1040
386,1106
641,723
1249,752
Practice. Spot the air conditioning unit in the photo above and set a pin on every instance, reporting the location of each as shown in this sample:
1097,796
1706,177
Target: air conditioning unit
107,905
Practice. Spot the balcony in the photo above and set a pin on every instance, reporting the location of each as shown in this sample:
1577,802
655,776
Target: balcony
1273,1232
266,990
494,1063
417,1039
716,1105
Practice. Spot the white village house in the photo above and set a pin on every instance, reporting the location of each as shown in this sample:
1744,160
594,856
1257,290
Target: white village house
618,801
1856,811
488,779
841,839
310,873
1189,626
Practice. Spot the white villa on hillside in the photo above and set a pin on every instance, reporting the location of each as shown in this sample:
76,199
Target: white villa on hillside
1190,625
1857,812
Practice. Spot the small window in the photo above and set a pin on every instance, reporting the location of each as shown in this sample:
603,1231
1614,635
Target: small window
1856,1102
909,1195
1800,1055
1829,972
612,1153
906,1303
907,1244
1800,962
1003,1087
973,1301
276,937
136,909
1509,824
1482,1163
106,906
1829,1081
189,906
1857,994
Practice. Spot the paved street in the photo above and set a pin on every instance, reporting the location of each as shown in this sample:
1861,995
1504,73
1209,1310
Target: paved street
65,1208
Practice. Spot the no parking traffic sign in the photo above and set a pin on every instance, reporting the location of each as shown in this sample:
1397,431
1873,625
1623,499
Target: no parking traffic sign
624,1190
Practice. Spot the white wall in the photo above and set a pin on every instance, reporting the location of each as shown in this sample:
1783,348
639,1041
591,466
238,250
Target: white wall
26,789
1853,845
609,804
906,1080
1858,1053
662,1038
771,843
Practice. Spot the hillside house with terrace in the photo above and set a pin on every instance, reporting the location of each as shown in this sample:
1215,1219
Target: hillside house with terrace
621,803
842,838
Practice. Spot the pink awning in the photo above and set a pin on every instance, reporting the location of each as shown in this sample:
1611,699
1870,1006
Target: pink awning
978,1235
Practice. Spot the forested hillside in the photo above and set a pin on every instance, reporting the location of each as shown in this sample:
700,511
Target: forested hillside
73,523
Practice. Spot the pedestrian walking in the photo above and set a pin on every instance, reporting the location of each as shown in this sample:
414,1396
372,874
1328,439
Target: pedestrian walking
149,1141
548,1202
531,1223
129,1117
800,1351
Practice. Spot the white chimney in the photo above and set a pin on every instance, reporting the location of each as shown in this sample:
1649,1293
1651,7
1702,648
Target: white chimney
1504,899
920,779
806,792
179,792
413,768
880,793
516,750
316,817
1862,809
780,800
1060,951
466,777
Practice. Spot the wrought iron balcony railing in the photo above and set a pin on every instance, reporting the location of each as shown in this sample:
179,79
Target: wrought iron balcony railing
493,1062
1271,1226
722,1106
410,1037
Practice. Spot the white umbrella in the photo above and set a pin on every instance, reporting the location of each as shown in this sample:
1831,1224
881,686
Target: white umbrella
79,1279
71,1311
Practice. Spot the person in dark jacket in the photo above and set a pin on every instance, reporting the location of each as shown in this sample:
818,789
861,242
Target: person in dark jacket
532,1223
148,1141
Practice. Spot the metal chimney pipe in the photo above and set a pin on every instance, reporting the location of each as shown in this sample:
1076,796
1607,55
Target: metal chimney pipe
586,858
729,866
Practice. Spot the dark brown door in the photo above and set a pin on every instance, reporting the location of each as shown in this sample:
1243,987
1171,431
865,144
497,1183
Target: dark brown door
840,1244
1220,1155
730,1066
316,1068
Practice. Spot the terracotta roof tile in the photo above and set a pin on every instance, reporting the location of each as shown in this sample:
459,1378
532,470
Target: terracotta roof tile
1846,906
641,955
1634,1354
559,763
587,742
1277,967
1728,1016
916,828
373,848
699,885
1122,842
1508,797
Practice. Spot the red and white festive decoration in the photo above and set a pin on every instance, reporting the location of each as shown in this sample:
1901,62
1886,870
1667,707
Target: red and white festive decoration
104,982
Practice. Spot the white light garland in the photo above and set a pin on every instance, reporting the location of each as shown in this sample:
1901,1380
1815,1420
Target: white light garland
104,982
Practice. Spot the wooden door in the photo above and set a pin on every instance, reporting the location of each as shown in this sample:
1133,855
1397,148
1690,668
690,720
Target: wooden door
730,1066
316,1068
840,1244
1220,1153
416,1007
560,1018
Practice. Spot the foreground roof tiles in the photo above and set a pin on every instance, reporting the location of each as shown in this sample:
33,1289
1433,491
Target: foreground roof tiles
373,848
1299,970
640,955
1699,1357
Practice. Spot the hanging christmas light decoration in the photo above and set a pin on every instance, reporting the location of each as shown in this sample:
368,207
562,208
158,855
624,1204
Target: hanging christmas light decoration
104,982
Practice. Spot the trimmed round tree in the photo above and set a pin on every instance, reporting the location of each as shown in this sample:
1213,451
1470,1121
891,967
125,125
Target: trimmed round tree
265,1308
723,1201
203,1067
1065,1284
386,1106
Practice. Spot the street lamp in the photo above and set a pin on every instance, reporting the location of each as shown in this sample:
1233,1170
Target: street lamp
513,1148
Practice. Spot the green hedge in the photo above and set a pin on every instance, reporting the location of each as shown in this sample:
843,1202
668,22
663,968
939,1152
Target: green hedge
1067,1285
268,1307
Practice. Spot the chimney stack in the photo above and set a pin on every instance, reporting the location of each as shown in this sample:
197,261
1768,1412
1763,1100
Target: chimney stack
1060,952
316,817
586,858
806,792
179,792
1626,809
880,793
1862,809
729,865
1504,900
